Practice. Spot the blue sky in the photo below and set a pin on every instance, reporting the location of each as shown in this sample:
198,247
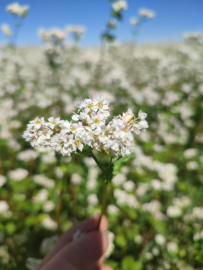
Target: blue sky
173,18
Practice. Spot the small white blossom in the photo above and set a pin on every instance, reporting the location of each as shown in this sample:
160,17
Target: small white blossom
160,239
6,30
174,211
119,5
147,13
2,180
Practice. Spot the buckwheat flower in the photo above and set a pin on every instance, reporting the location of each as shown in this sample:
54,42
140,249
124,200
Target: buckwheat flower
37,123
128,116
160,239
147,13
148,256
174,211
152,207
6,30
112,24
191,153
112,209
182,202
49,158
88,127
3,207
49,223
53,122
111,245
156,184
78,145
129,185
119,5
32,263
27,155
142,189
155,251
134,21
13,8
87,105
138,239
92,199
2,180
198,236
41,196
142,115
49,206
44,181
48,243
23,11
198,213
4,256
192,165
172,247
76,178
18,174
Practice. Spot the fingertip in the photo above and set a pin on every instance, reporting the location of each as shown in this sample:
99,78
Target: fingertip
106,267
104,224
89,248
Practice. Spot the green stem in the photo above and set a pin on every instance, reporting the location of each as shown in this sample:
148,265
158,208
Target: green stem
104,199
59,207
98,163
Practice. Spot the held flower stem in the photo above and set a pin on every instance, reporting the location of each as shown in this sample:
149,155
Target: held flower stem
108,175
98,163
104,199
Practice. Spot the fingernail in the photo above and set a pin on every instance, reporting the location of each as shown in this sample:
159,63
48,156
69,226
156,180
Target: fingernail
105,240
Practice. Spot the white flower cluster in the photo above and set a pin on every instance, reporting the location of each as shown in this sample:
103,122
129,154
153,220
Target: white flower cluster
54,35
17,9
6,30
147,13
88,128
193,37
78,31
134,21
119,5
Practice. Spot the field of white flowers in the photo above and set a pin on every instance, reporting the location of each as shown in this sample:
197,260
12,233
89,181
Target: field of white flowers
155,203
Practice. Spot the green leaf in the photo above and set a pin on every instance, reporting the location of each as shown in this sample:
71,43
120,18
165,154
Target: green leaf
116,15
120,240
108,37
119,163
128,263
10,228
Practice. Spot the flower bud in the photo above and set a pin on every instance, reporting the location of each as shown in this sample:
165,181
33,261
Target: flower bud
128,118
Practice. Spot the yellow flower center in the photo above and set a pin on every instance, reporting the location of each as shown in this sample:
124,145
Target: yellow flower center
77,143
72,128
90,105
97,121
53,122
38,121
99,105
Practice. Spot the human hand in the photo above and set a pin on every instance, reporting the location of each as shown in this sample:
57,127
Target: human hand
84,253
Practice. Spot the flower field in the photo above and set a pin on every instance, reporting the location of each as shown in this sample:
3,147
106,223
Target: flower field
155,204
65,110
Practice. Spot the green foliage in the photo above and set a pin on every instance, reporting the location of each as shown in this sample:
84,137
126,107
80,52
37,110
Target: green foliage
119,163
129,263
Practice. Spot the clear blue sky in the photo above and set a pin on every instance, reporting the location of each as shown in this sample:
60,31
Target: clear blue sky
173,18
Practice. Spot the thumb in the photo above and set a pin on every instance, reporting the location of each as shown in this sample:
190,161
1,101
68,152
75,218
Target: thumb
80,254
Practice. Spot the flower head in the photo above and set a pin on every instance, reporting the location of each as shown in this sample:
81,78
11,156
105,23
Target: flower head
89,127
